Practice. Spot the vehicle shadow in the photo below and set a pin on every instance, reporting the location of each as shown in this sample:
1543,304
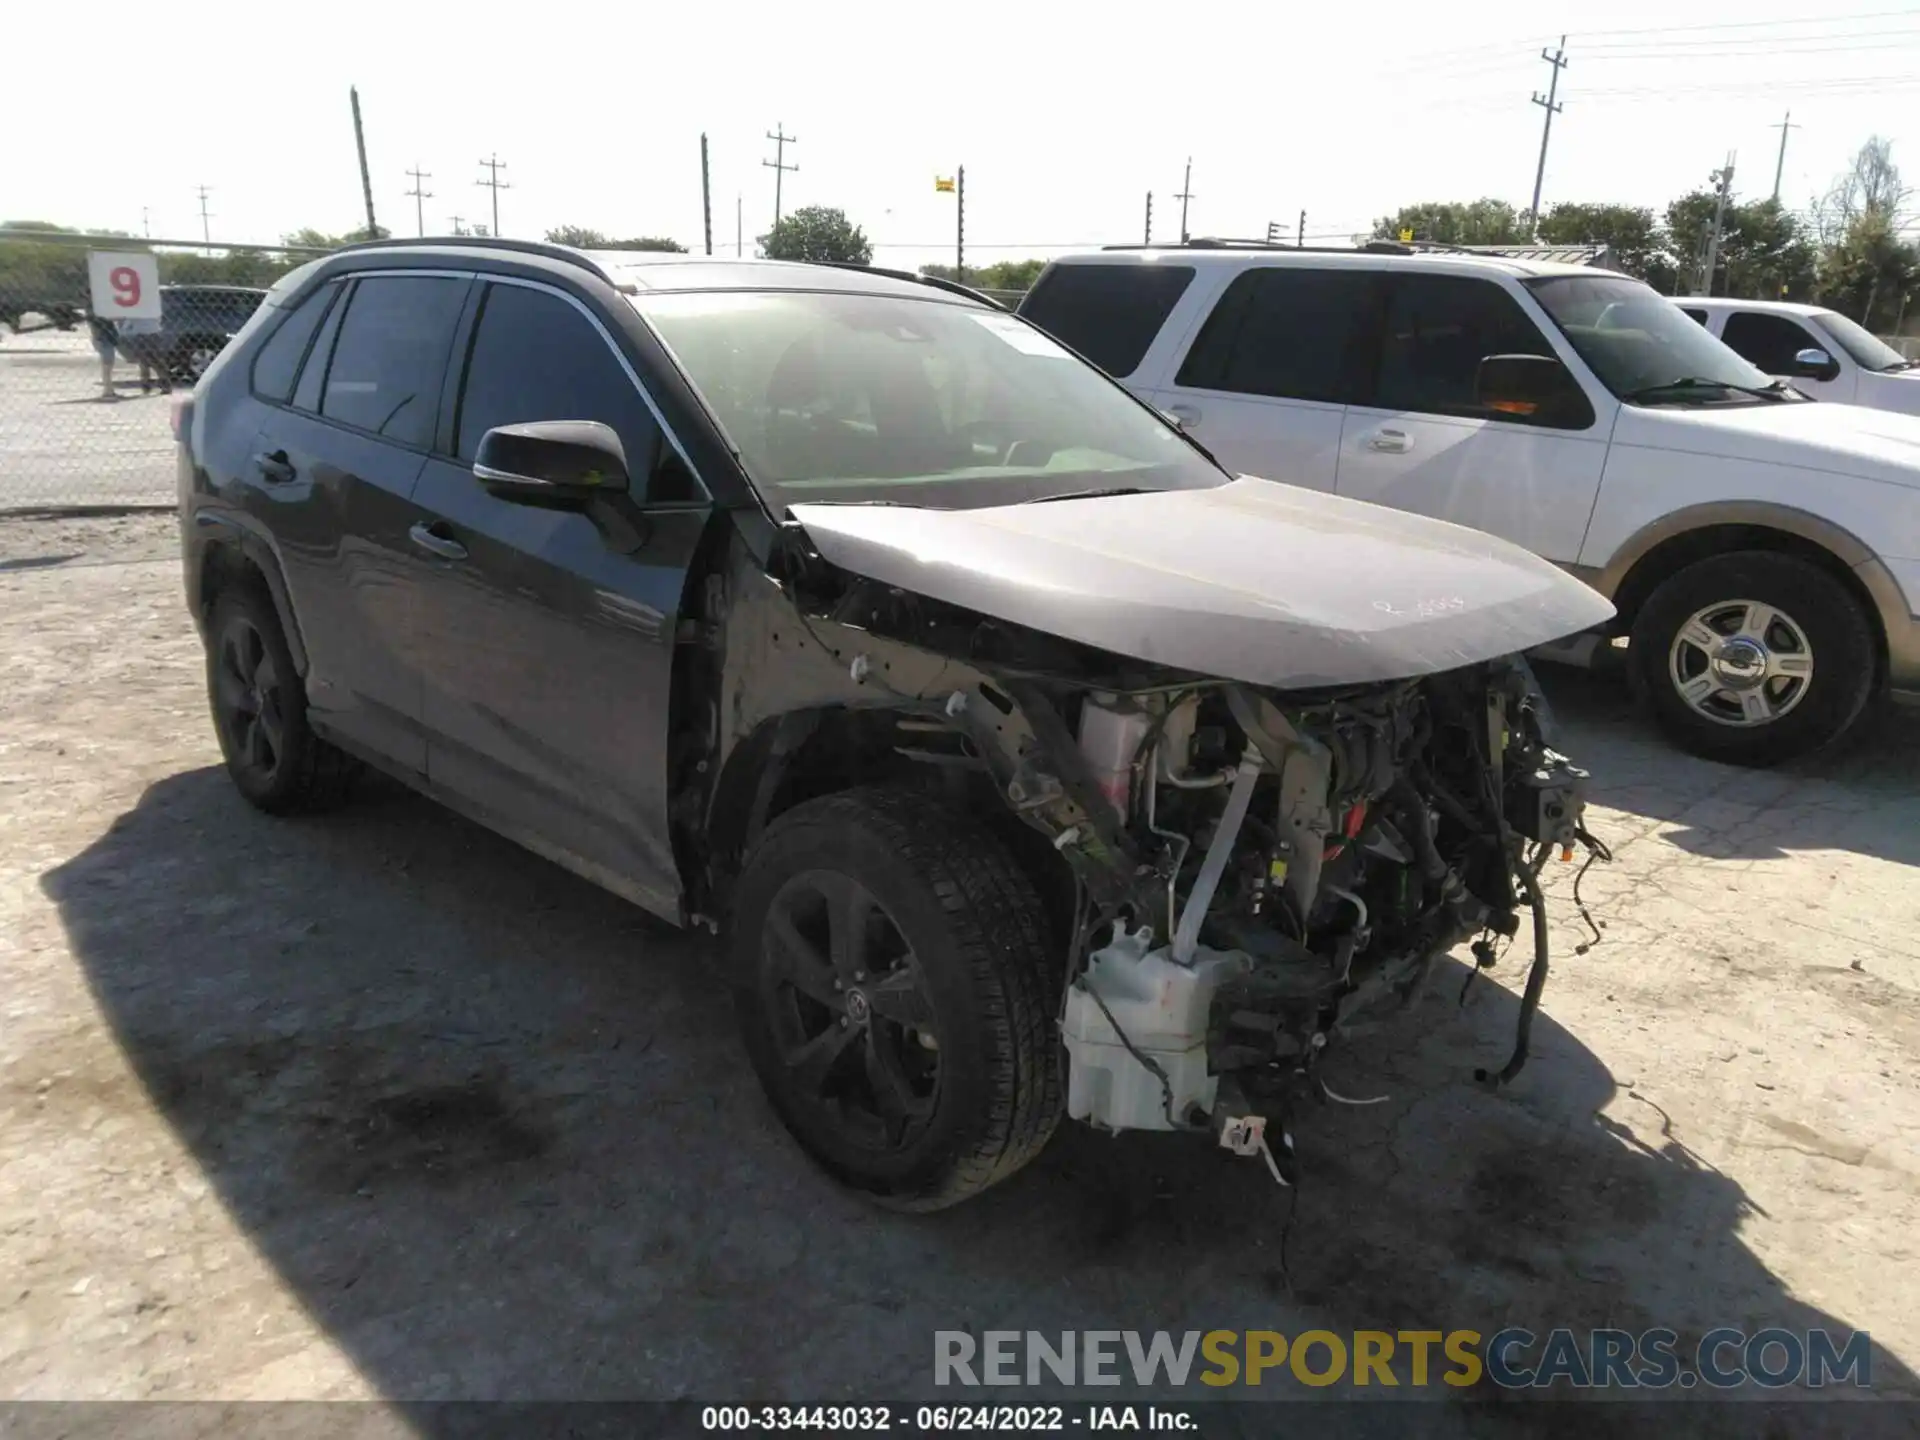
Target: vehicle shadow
1862,797
494,1131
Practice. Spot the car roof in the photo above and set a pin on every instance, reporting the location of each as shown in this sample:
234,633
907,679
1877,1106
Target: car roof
1775,307
1231,257
640,271
215,289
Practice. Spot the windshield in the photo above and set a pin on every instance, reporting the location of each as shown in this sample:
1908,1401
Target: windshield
1637,341
842,397
1868,350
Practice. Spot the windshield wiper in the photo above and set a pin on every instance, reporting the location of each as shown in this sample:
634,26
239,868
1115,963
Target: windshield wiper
1101,494
1778,390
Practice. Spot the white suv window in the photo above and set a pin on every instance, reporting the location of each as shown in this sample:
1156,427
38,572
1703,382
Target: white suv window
1287,332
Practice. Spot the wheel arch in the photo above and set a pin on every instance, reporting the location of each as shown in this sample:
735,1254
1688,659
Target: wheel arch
231,558
1700,532
806,754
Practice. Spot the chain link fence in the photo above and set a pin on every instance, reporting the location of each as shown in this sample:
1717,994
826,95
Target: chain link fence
84,398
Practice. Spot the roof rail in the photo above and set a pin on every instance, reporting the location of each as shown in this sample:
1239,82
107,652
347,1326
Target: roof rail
1207,243
952,287
489,242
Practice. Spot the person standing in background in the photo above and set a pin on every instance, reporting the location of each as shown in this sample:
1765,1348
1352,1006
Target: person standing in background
105,338
151,359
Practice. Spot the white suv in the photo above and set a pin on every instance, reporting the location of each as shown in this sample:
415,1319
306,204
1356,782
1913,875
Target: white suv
1762,550
1821,351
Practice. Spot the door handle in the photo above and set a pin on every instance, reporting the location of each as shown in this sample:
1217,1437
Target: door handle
273,466
1187,415
433,539
1390,442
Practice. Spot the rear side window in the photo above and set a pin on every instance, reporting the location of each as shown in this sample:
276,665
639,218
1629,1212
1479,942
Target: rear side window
1699,317
1768,341
1109,313
1438,329
391,355
535,357
1286,332
278,360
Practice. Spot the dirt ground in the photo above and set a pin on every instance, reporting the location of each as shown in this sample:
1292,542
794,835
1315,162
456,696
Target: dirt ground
377,1105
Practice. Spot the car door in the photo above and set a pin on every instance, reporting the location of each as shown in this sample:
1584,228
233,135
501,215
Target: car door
1769,342
1264,383
1422,442
548,639
334,464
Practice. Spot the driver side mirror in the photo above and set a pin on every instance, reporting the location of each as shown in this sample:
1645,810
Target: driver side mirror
552,464
1526,387
1813,363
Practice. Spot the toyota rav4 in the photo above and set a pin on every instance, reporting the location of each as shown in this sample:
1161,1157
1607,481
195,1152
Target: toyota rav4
1027,762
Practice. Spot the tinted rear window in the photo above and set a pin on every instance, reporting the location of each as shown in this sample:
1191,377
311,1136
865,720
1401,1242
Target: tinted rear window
1109,313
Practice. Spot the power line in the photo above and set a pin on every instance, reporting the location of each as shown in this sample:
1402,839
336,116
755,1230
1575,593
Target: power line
778,164
420,195
1558,60
493,165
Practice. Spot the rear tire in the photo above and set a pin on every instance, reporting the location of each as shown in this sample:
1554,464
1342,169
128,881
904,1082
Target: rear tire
1754,658
259,709
896,992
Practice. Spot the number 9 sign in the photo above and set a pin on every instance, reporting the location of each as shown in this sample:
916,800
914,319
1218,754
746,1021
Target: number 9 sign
123,286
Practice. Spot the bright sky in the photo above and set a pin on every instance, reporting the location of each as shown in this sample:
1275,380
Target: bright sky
1064,116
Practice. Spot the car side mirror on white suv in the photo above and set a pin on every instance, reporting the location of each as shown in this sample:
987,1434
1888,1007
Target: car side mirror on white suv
1524,386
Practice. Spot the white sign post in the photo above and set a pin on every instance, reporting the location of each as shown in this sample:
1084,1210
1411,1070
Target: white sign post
124,285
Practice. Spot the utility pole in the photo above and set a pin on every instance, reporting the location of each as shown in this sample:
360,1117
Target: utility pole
360,144
1551,104
706,193
1300,235
206,231
1148,237
778,164
1183,197
739,244
146,227
420,195
458,222
1780,165
493,165
1724,178
960,225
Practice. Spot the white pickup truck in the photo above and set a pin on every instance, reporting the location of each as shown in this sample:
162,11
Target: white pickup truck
1762,550
1821,351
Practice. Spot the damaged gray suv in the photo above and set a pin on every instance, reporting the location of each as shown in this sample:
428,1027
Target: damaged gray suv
1026,763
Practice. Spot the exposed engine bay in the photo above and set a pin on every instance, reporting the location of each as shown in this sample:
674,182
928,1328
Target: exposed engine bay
1254,871
1321,853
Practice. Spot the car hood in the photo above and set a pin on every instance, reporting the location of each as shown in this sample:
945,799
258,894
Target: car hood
1251,580
1873,444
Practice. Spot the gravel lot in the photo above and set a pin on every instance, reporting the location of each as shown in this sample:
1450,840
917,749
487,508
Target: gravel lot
61,444
378,1105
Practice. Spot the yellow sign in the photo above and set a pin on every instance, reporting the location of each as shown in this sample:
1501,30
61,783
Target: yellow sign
1406,235
943,184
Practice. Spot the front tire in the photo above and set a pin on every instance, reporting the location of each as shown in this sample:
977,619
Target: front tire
260,711
1754,658
896,992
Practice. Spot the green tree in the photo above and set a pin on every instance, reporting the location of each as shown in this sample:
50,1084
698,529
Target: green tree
1451,222
583,238
1765,253
817,232
321,240
1870,273
1630,231
1001,275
